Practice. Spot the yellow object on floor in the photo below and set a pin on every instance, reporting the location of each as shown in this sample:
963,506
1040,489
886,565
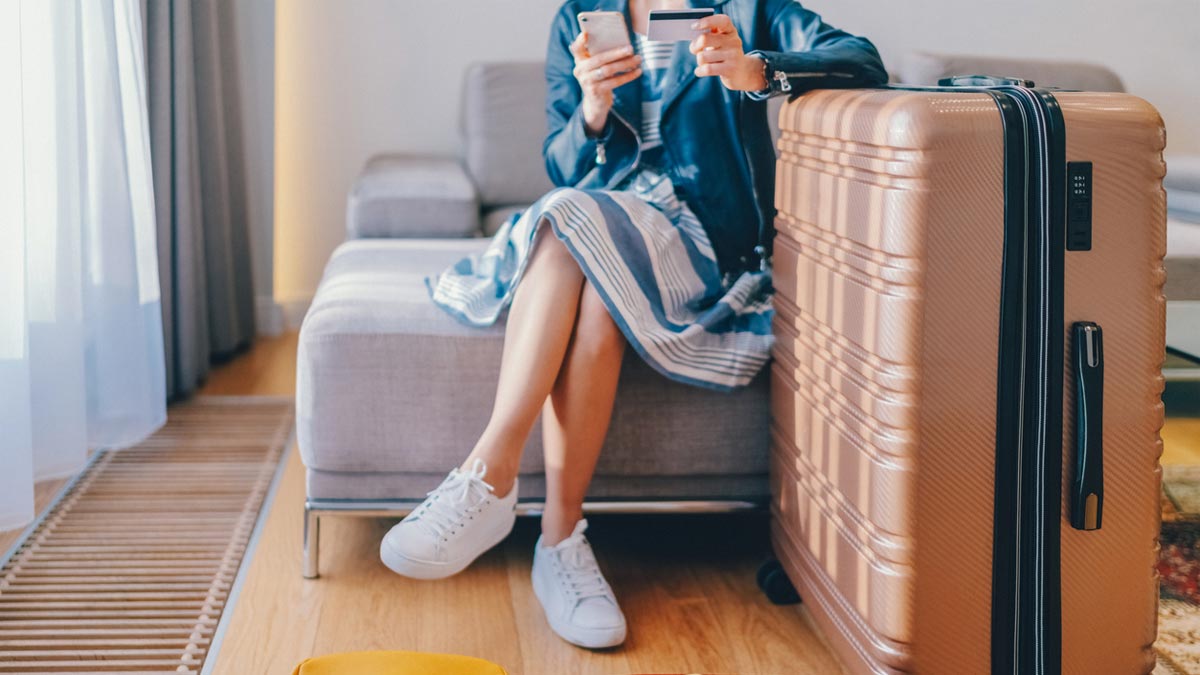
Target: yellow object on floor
396,663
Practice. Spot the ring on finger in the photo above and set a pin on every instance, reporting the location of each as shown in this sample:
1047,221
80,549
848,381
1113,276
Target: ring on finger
598,74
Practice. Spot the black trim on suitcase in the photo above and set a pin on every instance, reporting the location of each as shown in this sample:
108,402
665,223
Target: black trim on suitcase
1026,588
1008,382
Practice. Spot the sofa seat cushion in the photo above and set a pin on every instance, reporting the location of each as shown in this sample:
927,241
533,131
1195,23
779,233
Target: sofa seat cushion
494,217
406,196
1183,261
389,383
1182,183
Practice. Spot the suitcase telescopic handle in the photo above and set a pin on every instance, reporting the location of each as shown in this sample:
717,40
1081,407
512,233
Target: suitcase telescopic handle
984,81
1087,481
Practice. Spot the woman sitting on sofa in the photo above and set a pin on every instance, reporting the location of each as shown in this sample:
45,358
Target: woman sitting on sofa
659,237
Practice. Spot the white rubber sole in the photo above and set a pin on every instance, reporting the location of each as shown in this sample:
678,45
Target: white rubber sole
423,569
588,638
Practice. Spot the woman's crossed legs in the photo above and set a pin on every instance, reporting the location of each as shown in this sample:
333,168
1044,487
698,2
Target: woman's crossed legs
562,356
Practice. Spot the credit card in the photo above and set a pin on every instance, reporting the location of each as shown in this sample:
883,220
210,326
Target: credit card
675,25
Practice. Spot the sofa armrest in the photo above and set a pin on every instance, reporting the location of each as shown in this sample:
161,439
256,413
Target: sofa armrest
405,196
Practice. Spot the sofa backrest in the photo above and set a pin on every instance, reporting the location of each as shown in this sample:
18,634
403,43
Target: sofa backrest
504,124
923,68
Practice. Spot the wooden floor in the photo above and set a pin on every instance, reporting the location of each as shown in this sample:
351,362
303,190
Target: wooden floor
686,583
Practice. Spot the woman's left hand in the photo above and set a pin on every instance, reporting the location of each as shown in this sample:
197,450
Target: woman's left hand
719,53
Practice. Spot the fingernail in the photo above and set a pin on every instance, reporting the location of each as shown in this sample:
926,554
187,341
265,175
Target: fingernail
628,50
696,26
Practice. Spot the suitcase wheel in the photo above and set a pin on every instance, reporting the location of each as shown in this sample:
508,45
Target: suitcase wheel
774,583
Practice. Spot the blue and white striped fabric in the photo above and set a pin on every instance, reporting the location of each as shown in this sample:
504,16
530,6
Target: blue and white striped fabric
656,58
649,259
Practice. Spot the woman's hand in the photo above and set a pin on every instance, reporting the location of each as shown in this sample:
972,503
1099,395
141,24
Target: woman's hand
599,75
719,52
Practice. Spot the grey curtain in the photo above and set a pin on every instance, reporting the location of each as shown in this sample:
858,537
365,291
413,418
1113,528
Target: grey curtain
199,186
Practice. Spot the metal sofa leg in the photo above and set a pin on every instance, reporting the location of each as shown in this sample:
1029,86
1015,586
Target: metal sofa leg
312,543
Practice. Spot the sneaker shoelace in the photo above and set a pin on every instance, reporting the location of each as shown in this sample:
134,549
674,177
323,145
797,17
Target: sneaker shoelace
460,494
580,571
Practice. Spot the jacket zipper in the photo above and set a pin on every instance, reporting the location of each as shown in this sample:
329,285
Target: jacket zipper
602,154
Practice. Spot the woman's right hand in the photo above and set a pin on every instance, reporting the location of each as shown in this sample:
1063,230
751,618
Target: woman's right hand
598,76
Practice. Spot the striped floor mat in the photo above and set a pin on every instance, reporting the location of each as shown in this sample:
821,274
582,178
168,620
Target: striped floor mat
130,570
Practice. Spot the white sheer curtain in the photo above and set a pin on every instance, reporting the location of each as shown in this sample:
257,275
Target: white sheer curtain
81,357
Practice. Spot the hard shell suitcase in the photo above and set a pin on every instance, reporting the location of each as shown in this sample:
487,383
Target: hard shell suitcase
966,384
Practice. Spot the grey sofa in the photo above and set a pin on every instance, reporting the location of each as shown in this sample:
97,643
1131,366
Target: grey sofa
392,392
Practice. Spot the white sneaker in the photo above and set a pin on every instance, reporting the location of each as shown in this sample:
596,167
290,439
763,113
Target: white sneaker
578,602
456,523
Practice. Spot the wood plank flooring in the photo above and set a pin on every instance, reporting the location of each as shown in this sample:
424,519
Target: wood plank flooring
686,585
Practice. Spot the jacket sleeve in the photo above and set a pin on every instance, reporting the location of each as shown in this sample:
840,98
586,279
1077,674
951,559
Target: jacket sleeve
569,152
811,54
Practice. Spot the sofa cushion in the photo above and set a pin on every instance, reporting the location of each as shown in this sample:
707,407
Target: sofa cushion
504,125
493,218
1182,261
389,383
408,196
1182,183
926,68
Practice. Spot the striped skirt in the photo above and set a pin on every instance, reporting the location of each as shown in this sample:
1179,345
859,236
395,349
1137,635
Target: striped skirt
651,262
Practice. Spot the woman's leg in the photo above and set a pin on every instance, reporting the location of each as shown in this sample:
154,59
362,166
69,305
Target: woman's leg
575,418
538,331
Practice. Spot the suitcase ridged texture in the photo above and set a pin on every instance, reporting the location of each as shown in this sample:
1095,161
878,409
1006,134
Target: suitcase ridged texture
1109,585
887,269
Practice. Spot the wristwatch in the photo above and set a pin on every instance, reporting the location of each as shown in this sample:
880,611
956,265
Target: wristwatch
777,80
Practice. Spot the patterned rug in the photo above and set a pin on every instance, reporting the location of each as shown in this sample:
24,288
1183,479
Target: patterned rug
1179,568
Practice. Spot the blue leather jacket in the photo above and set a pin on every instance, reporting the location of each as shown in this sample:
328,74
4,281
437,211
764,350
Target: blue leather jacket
717,142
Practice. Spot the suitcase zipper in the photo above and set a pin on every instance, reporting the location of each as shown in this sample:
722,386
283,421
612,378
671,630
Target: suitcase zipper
1040,309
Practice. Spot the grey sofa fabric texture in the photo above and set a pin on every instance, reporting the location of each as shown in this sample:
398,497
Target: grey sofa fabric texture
407,196
493,218
392,387
1183,187
926,68
504,125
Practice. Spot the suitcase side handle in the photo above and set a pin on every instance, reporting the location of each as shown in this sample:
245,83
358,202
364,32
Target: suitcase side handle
1087,481
985,81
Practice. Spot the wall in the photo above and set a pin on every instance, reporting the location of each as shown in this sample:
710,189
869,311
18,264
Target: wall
1154,45
358,77
253,33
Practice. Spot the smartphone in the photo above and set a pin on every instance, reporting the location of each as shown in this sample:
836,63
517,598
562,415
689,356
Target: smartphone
606,30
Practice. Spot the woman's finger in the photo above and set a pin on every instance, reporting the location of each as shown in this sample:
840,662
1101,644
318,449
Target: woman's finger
578,46
717,23
716,55
614,82
594,62
616,67
721,69
713,41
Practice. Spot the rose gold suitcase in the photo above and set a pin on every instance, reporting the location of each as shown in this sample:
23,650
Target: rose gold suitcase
966,384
